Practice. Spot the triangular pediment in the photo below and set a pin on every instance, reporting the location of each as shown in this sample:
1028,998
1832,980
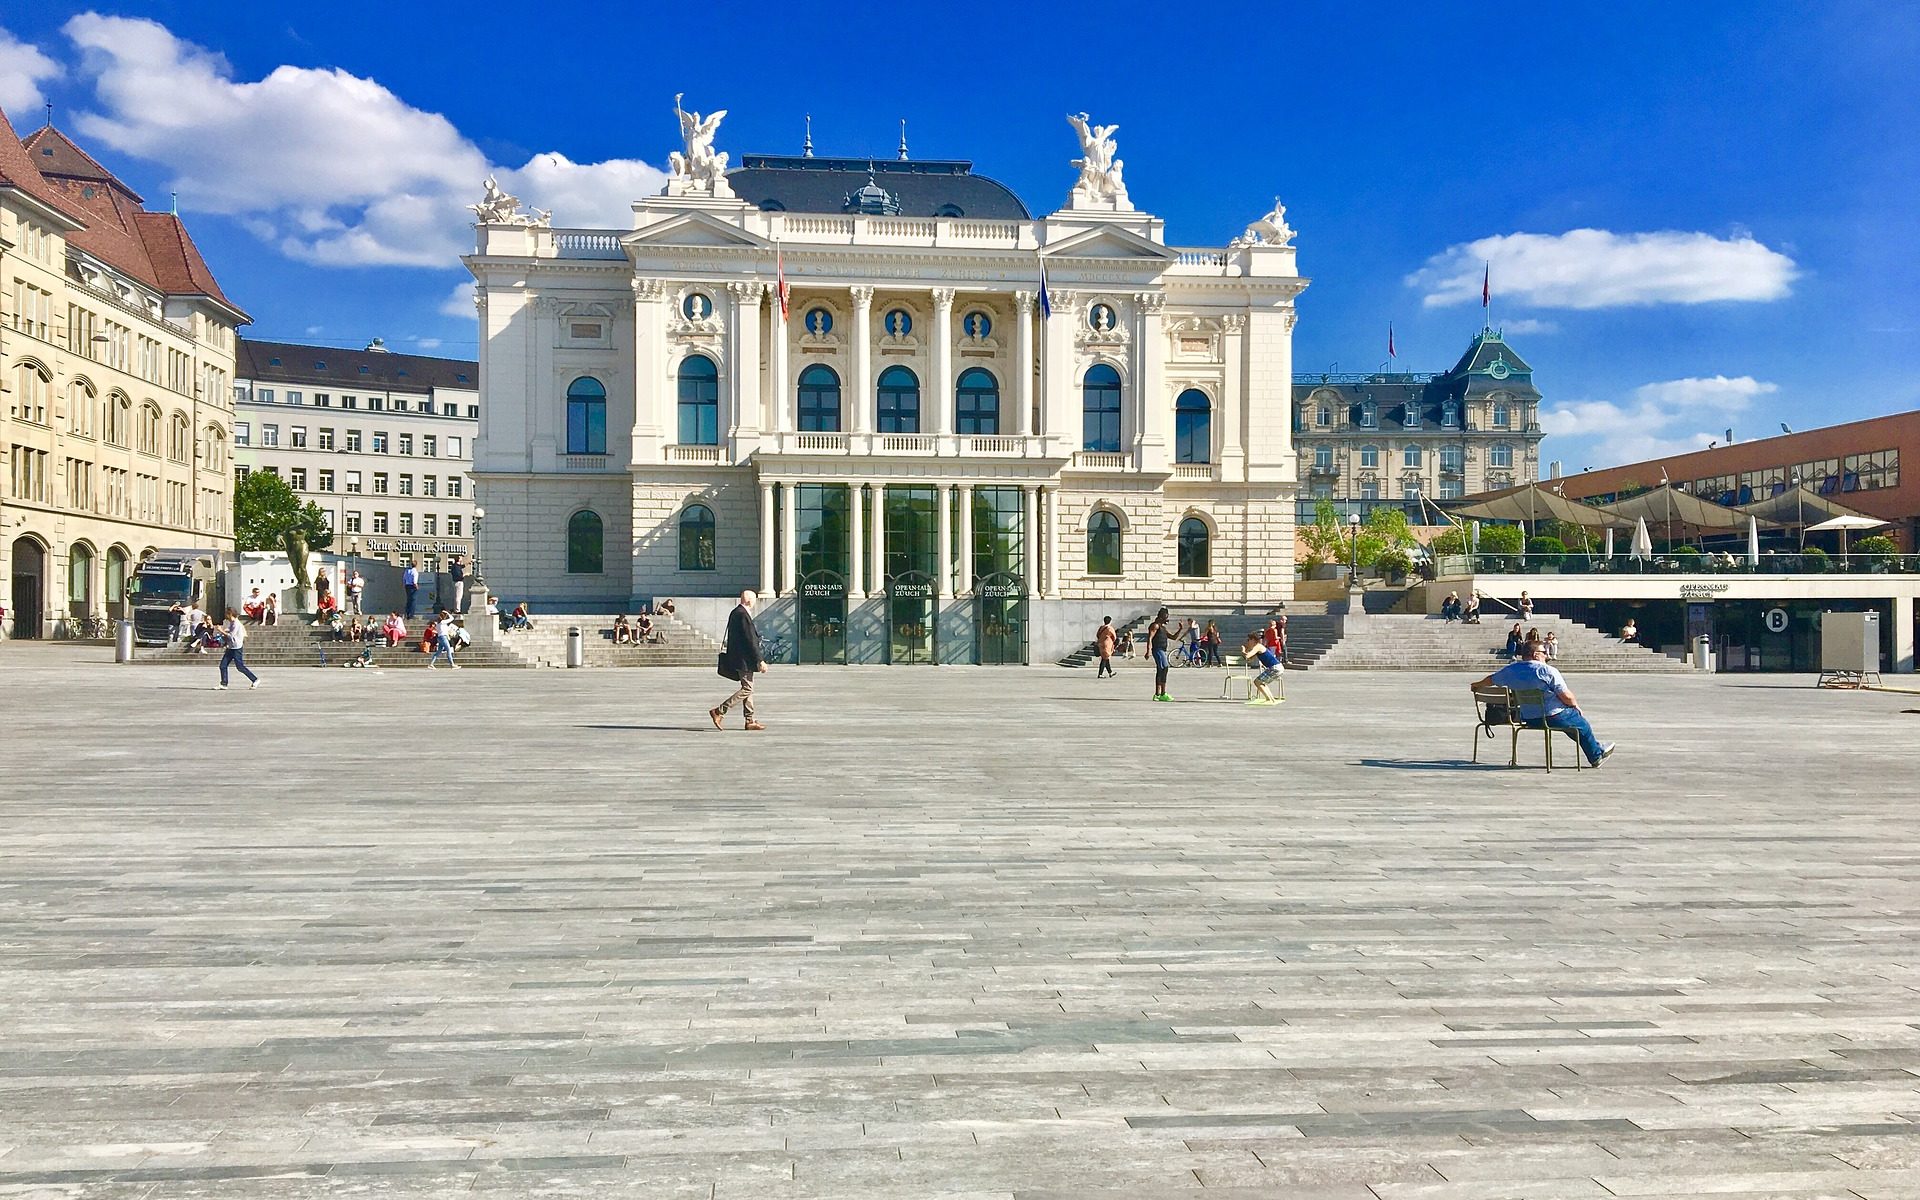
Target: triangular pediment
1108,242
695,229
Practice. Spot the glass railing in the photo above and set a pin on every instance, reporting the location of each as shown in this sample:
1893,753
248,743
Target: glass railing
1678,563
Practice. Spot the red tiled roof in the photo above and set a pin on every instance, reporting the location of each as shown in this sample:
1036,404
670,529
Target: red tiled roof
18,172
54,153
177,265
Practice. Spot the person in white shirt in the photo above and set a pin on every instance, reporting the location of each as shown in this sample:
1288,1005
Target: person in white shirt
235,654
356,587
191,621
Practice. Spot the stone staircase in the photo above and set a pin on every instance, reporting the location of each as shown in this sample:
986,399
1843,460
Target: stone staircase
1311,631
545,645
294,643
1425,643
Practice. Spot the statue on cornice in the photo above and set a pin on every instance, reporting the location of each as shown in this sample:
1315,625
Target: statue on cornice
1100,184
497,207
1270,230
697,170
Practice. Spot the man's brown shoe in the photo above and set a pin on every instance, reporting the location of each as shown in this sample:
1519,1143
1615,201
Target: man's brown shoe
715,714
755,725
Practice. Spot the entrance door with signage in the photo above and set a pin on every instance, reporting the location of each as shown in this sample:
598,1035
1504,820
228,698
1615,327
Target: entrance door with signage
1000,619
822,611
910,618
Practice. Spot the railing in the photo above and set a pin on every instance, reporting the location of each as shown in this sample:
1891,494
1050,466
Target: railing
1199,472
583,462
583,243
1201,258
694,454
996,232
1336,378
829,443
907,443
818,226
898,227
1811,562
1099,460
993,444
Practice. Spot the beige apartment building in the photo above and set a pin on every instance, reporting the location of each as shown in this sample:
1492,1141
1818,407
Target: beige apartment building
116,363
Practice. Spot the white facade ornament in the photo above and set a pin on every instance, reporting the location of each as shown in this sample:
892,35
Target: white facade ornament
697,170
1270,230
1100,184
498,207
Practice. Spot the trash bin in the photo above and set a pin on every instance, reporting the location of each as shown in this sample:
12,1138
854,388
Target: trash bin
1703,653
576,647
123,640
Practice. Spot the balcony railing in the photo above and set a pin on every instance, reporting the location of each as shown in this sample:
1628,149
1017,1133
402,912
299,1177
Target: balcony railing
709,455
817,443
583,462
907,443
587,243
993,444
1681,563
1099,460
1194,472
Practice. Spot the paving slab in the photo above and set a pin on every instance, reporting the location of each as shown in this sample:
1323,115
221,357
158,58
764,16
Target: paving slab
954,932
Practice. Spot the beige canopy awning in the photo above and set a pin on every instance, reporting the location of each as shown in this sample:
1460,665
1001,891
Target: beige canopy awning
1529,502
1670,507
1799,506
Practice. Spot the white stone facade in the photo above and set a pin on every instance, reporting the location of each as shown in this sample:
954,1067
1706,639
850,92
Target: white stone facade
874,287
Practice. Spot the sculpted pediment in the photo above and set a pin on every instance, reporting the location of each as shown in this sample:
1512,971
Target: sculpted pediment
1109,243
695,229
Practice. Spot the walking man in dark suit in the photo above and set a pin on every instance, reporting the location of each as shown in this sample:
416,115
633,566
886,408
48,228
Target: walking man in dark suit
741,660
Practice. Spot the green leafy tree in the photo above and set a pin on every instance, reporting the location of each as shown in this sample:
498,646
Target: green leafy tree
1324,540
1878,544
268,516
1547,549
1502,539
1450,541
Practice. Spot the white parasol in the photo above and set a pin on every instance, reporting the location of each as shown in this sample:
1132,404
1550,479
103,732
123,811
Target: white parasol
1753,542
1642,540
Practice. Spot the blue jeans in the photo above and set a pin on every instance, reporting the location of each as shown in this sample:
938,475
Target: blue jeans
440,646
236,658
1575,722
413,590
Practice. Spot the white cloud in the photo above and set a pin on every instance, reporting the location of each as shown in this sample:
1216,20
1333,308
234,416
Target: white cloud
22,67
459,302
426,344
1525,325
329,167
1596,268
1654,422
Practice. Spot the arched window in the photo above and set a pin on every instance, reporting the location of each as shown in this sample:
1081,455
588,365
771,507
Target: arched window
1370,457
1193,427
216,457
81,406
32,388
696,538
80,578
1100,408
180,438
699,401
116,419
899,401
147,436
1103,543
116,574
586,543
1194,540
586,416
819,399
1410,456
977,402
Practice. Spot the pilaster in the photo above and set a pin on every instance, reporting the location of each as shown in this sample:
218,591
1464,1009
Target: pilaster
1023,367
856,542
649,368
943,424
944,533
1231,418
966,539
860,400
1150,340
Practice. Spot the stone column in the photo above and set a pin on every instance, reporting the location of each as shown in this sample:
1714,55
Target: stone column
944,532
1150,386
856,542
1059,398
743,330
767,535
1023,303
943,424
1030,537
1231,411
790,538
966,539
1051,555
860,385
1903,635
879,534
779,387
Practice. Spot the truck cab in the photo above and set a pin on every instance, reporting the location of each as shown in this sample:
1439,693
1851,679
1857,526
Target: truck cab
169,577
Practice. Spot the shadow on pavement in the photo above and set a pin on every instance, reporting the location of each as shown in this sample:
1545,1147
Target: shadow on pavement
1434,764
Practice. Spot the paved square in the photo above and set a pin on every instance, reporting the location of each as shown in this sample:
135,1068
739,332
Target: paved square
959,932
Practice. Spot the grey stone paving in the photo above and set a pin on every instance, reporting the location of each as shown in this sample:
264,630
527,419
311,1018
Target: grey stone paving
965,932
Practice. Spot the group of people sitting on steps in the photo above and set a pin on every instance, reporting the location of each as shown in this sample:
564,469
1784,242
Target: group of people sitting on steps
638,632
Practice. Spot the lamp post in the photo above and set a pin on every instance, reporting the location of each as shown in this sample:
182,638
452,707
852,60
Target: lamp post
1353,569
1800,510
479,574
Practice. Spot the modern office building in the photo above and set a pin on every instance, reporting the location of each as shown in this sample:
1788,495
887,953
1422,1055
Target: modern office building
1403,437
888,393
383,442
116,360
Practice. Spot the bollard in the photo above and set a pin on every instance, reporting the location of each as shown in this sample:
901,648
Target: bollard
576,647
123,640
1702,653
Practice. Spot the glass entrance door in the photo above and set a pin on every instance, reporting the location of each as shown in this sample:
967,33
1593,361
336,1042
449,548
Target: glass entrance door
1000,619
822,618
910,618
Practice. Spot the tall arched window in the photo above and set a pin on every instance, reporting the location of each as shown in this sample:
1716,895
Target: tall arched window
586,416
32,388
149,431
180,438
1103,543
80,578
216,442
81,406
116,576
586,543
1193,427
819,399
1100,408
1194,540
699,401
116,419
899,401
977,408
696,538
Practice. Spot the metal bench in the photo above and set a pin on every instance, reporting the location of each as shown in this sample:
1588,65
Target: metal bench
1500,708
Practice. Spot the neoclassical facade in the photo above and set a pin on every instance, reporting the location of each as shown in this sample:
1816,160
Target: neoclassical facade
116,358
887,393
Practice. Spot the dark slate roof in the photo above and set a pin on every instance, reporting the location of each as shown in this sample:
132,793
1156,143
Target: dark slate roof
924,187
329,366
1486,346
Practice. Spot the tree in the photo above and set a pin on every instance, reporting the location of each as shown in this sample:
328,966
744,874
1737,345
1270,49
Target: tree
1324,540
268,516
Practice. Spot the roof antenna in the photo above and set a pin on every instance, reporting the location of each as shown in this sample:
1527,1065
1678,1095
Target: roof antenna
903,139
49,114
806,150
176,202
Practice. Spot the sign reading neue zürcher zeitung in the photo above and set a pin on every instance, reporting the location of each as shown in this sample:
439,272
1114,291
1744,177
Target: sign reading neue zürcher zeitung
393,546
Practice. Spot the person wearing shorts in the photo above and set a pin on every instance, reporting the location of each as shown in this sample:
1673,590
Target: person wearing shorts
1264,663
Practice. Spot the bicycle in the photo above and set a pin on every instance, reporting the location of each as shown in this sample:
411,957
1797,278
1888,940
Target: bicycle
92,627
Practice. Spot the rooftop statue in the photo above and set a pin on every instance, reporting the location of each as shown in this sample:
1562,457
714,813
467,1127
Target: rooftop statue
1100,184
698,169
1272,229
497,207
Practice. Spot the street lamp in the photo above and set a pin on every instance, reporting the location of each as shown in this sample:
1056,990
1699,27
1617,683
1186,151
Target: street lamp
1353,570
1800,510
479,574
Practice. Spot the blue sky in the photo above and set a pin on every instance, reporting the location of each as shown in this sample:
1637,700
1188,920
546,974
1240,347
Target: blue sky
1699,216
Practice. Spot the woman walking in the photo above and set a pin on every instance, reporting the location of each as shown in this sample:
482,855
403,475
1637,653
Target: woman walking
1158,641
236,639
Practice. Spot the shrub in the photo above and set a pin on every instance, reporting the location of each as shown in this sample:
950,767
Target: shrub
1502,539
1547,549
1453,541
1880,543
1813,560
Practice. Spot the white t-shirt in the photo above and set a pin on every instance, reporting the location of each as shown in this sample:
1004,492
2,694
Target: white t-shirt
236,634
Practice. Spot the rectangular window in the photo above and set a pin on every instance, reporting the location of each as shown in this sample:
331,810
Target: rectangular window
380,441
820,522
353,483
297,479
326,439
1369,491
380,522
353,441
429,485
375,404
1323,458
266,395
453,525
1412,418
999,523
1451,458
401,406
242,433
1369,416
587,425
269,435
1500,456
1410,491
1410,456
406,522
1370,457
326,481
1502,415
240,472
473,412
453,447
911,513
454,486
449,410
353,522
296,398
349,402
429,524
1451,489
322,400
406,485
298,435
430,445
379,483
406,443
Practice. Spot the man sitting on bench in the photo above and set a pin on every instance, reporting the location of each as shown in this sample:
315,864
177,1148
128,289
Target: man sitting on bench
1530,672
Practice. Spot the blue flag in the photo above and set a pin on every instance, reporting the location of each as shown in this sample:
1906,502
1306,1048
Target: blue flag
1046,302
